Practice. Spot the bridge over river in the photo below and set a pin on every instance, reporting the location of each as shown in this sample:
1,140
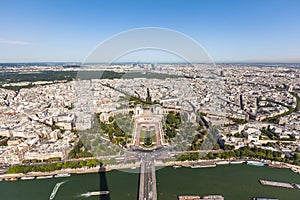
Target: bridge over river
147,187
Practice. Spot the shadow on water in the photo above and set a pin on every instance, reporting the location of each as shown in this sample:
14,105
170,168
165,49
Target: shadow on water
103,184
138,188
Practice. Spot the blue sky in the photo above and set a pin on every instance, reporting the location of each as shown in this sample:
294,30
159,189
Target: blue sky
230,31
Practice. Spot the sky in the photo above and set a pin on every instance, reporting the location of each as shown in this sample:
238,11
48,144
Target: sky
229,31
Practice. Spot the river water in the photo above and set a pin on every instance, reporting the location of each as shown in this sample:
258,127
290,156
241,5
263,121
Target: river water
236,182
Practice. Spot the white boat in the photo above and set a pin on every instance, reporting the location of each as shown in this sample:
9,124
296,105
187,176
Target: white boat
176,166
62,175
96,193
237,162
225,162
28,178
55,189
203,166
255,163
44,177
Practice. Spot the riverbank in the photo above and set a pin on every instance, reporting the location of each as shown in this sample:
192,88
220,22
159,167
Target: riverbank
83,170
238,181
175,164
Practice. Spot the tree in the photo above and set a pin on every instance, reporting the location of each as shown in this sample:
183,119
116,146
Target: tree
170,118
82,163
79,151
210,155
297,156
216,146
228,147
111,119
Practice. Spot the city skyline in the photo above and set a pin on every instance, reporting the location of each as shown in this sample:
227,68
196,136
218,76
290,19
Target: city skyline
231,31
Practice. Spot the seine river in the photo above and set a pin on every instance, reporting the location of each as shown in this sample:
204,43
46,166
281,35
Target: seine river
235,182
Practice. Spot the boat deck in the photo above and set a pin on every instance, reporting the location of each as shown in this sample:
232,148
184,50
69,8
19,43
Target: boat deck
279,184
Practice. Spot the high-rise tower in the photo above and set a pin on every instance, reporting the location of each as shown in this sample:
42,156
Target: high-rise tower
148,95
241,102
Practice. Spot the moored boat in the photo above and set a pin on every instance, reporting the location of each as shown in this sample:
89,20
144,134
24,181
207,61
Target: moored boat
28,178
203,166
11,179
44,177
236,162
225,162
276,184
176,166
295,170
255,163
62,175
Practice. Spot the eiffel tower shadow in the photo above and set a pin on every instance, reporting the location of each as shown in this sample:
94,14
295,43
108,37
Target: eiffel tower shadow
103,184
